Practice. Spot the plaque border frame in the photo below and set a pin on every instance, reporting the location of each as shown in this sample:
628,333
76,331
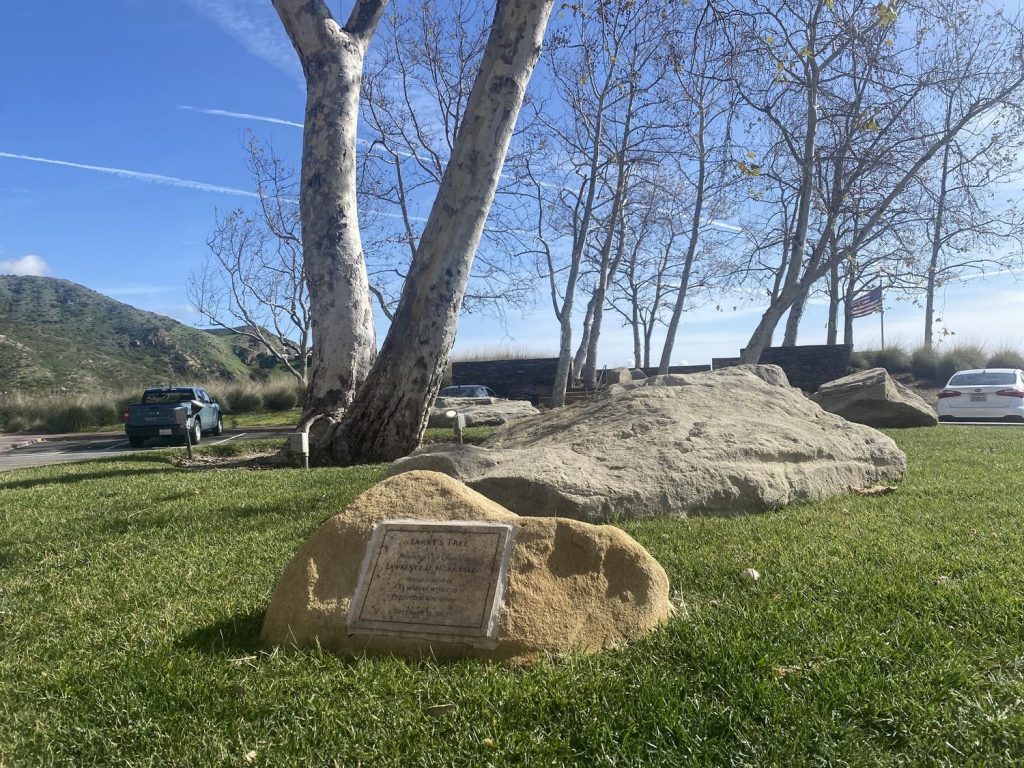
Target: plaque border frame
489,637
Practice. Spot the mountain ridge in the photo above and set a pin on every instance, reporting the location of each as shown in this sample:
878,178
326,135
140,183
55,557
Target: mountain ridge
56,335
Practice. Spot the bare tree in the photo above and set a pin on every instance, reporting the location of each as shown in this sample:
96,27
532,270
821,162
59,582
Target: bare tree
851,119
415,93
253,283
969,231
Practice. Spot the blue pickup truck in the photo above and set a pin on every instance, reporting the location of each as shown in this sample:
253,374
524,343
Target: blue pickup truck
156,415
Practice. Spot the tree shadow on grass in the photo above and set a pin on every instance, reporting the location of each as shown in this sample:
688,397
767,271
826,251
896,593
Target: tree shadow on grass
235,634
77,477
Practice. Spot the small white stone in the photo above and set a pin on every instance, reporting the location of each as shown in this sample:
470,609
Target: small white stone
749,574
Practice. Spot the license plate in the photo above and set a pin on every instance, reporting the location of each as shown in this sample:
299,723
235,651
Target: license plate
979,398
165,431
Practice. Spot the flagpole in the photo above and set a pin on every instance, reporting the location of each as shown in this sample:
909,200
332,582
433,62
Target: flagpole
881,317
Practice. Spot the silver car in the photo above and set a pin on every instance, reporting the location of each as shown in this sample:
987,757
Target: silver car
983,393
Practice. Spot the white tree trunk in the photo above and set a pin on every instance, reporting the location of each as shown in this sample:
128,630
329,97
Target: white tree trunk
388,416
344,343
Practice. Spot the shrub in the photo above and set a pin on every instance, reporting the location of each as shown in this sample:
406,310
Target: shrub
1005,357
69,418
14,423
280,398
102,414
894,359
860,361
959,358
924,363
243,400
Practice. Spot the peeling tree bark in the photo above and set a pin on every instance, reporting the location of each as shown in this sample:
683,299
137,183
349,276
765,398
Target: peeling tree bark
389,414
332,60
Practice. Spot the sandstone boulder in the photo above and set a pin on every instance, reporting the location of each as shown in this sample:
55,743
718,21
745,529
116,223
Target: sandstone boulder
872,397
723,442
617,376
480,412
571,586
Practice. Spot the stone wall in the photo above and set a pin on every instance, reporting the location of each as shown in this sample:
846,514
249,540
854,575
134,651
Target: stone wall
678,369
807,366
530,379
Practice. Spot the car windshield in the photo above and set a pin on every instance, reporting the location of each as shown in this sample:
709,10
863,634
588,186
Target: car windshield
166,396
463,392
982,379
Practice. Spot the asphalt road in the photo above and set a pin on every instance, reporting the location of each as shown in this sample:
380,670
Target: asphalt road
41,450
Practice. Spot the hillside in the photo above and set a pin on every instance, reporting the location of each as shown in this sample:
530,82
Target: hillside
56,335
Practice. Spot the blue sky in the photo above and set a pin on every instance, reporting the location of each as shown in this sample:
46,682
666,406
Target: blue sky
121,86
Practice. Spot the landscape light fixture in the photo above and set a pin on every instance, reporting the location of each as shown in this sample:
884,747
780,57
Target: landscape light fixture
458,422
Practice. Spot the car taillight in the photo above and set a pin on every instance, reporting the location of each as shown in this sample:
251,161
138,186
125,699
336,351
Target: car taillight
948,393
125,415
1011,392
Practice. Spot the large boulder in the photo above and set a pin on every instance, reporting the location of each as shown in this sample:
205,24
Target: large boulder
725,442
572,587
872,397
617,376
480,412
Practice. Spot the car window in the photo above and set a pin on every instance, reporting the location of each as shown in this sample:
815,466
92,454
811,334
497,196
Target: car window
162,396
982,379
464,391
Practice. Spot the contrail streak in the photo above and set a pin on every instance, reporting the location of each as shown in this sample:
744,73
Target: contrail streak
241,115
152,178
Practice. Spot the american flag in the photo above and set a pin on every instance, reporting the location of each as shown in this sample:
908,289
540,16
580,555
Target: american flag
867,303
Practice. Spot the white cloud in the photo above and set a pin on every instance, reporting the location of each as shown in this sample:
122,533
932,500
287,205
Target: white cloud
152,178
29,264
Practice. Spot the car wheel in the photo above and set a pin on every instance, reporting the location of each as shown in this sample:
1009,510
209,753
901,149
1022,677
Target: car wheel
135,441
219,429
197,432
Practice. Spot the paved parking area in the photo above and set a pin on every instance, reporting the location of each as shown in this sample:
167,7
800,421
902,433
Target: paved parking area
21,451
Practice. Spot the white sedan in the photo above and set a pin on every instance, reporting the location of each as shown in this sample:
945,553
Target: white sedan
992,393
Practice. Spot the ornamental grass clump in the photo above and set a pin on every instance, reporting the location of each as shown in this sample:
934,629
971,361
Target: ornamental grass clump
1005,357
960,358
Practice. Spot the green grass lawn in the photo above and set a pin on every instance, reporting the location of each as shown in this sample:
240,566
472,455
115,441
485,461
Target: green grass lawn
884,631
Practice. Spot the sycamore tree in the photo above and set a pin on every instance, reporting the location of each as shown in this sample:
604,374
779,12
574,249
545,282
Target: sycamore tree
416,88
973,220
340,305
378,405
848,116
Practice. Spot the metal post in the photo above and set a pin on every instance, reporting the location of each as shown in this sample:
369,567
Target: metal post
298,442
881,317
458,423
181,416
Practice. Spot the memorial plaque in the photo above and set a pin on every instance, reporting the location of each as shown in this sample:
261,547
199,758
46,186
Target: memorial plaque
433,579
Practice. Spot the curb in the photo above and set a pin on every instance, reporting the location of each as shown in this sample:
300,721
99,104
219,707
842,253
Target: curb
21,444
